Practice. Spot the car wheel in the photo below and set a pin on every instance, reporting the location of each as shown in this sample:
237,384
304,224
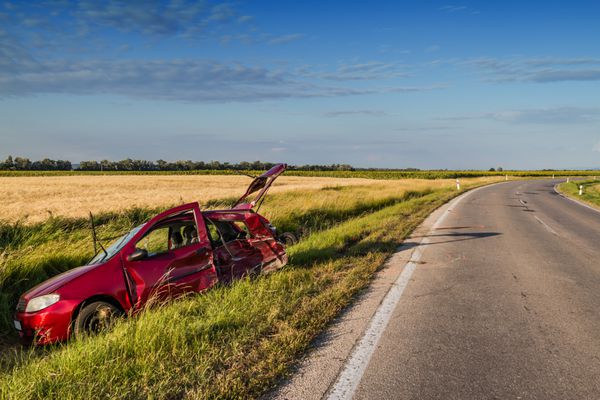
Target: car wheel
288,238
95,317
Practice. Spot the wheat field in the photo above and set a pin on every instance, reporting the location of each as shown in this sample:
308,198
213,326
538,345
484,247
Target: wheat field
35,198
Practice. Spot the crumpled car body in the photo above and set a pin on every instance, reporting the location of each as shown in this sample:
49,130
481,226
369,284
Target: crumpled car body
181,250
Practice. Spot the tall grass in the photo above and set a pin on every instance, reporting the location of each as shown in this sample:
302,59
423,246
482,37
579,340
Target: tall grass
30,254
232,342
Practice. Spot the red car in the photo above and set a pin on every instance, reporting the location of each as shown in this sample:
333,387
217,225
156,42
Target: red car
180,250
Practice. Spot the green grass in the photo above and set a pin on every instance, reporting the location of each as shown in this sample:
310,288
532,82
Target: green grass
30,254
232,342
369,174
591,192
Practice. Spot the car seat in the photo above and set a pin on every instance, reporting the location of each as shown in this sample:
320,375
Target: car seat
190,234
176,240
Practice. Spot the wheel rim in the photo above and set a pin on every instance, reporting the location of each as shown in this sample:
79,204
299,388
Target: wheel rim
98,321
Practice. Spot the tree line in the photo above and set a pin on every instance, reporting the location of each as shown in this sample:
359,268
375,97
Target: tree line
189,165
24,164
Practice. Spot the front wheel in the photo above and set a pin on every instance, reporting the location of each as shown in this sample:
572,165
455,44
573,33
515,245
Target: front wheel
95,318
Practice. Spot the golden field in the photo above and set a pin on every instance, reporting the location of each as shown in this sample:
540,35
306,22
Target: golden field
35,198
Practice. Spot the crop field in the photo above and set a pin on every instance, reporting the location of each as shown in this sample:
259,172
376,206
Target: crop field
234,341
35,198
367,174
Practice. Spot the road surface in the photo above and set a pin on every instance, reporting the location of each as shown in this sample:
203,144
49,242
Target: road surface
504,303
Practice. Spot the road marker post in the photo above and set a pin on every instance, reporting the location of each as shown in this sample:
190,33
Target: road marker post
567,179
506,178
580,190
552,176
457,184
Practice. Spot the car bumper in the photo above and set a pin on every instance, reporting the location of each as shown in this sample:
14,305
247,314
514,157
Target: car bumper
50,325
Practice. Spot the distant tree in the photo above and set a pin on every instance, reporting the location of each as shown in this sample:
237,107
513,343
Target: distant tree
106,165
8,163
499,169
161,164
492,169
63,165
22,163
89,166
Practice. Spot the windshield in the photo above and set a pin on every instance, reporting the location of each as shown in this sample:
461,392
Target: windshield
115,246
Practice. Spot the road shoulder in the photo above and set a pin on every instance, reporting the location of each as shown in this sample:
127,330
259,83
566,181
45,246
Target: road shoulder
317,372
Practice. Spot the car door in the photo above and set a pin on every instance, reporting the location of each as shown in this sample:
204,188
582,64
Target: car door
170,269
260,184
234,254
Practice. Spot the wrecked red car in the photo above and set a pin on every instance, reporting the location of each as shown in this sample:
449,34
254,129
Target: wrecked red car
181,250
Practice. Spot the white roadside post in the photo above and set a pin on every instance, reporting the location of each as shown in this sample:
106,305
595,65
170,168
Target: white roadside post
457,184
552,176
580,190
567,179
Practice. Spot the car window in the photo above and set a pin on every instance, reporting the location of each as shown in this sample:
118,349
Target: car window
155,242
115,246
227,231
213,233
242,229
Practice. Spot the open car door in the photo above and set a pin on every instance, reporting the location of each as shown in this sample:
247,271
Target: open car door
260,184
174,256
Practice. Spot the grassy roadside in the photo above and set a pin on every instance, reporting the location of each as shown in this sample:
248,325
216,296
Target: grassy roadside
30,254
232,342
591,191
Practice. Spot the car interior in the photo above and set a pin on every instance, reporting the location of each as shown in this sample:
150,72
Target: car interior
171,234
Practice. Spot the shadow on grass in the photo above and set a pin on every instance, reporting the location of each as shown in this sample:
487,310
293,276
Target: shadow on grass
358,247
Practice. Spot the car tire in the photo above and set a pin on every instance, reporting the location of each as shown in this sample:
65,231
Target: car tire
288,238
95,317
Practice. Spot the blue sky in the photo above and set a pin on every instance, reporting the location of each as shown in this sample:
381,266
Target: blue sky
426,84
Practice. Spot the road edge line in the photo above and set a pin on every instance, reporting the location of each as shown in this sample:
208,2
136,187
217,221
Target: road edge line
581,203
350,376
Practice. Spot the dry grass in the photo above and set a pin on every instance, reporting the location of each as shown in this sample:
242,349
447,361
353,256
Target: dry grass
34,199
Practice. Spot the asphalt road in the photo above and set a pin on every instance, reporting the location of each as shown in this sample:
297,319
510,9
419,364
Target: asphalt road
504,304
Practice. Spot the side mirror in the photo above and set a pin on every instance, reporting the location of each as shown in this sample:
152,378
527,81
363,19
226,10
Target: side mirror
137,255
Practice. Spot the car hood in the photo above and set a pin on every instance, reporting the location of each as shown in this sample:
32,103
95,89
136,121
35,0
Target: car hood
260,184
52,284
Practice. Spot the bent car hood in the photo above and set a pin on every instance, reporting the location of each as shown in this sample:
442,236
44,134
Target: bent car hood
50,285
262,183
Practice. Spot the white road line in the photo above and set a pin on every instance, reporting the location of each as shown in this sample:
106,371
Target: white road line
546,226
574,200
349,378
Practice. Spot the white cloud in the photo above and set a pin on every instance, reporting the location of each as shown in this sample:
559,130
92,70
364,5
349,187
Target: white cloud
542,116
374,113
539,70
285,38
180,79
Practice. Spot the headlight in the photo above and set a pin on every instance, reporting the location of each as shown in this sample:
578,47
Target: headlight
41,302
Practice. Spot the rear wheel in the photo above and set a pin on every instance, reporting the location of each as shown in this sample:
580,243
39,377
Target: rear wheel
288,238
95,317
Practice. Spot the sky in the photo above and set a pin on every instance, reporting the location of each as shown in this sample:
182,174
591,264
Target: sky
386,84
